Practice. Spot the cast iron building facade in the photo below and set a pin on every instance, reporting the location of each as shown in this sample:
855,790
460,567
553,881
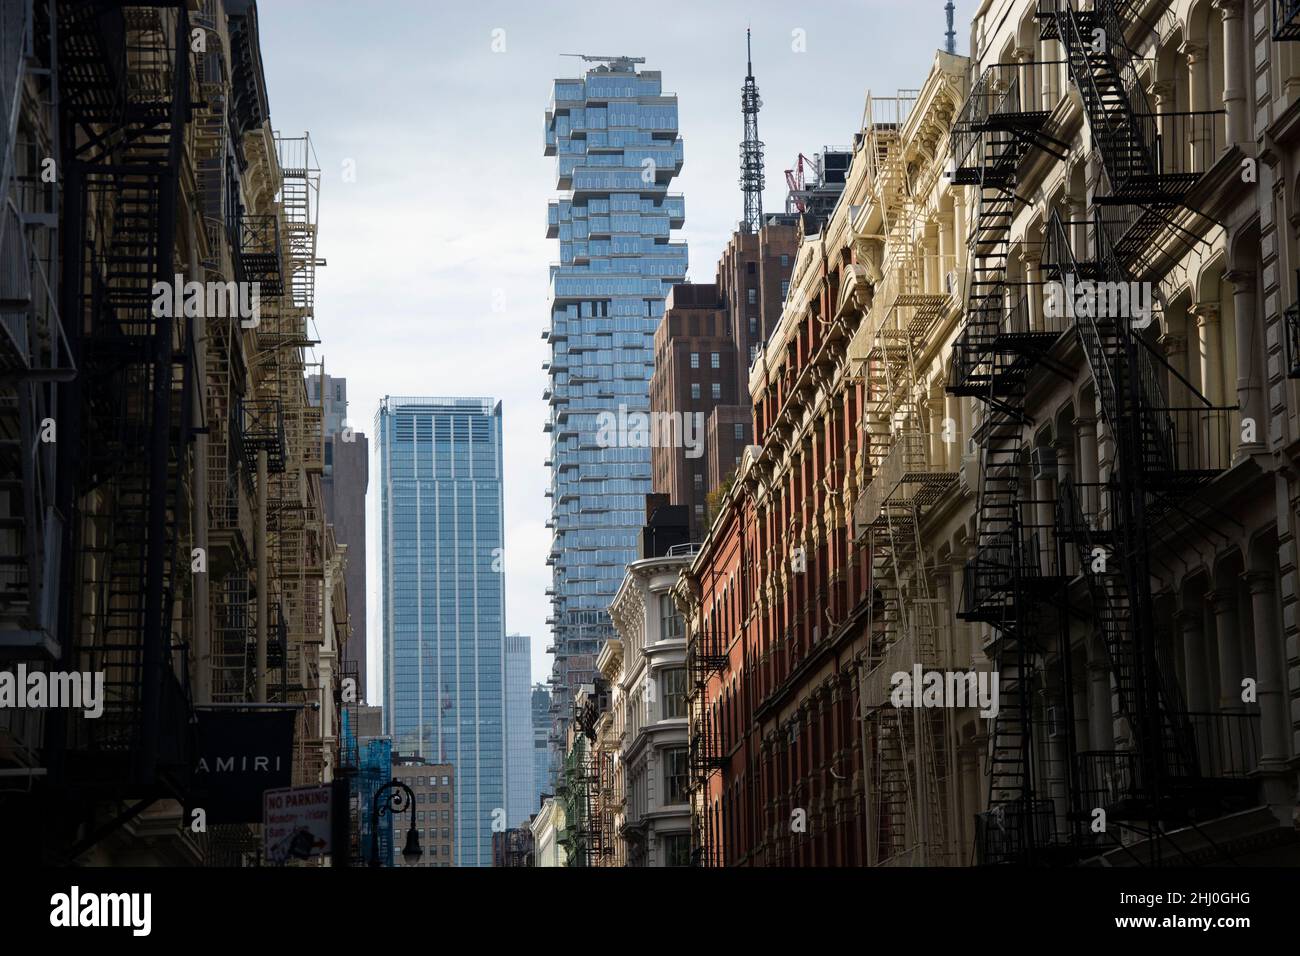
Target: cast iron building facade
171,537
443,598
1095,505
613,132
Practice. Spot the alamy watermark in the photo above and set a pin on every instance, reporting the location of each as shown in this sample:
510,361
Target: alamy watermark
208,300
54,689
953,689
624,429
1087,298
76,909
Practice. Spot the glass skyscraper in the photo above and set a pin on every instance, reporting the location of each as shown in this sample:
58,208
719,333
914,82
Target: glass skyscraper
520,797
542,753
440,540
613,133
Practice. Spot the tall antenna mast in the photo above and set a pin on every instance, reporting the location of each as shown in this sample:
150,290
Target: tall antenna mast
751,148
951,34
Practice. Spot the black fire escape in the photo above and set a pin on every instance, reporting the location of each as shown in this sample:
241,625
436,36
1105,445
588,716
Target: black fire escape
1168,441
1286,19
706,654
993,357
124,78
1291,333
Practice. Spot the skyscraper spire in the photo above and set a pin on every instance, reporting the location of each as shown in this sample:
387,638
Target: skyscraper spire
751,148
951,34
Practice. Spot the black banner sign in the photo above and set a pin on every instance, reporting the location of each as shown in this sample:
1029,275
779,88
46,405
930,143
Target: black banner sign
241,754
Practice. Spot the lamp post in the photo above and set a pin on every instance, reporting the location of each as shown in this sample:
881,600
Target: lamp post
392,798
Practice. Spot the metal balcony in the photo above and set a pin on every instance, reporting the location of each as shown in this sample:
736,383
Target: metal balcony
907,475
1007,833
258,253
996,105
1291,323
1226,754
1286,19
259,426
706,652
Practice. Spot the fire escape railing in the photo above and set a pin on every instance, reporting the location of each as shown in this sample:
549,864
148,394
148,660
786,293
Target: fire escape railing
1291,331
258,253
1286,19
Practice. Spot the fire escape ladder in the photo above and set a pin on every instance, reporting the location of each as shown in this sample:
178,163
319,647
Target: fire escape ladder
996,594
1150,159
134,412
1136,414
999,346
1123,126
706,654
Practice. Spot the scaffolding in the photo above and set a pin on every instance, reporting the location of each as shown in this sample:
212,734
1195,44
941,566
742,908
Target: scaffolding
368,764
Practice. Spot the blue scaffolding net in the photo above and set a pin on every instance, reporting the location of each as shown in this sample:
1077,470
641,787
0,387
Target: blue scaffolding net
372,760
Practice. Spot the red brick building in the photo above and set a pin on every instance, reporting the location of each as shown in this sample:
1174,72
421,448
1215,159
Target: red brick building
703,351
777,599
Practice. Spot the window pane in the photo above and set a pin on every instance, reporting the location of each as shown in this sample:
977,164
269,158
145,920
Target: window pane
672,691
675,775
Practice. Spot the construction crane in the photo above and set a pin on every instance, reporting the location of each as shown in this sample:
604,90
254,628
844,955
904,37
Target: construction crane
796,182
619,60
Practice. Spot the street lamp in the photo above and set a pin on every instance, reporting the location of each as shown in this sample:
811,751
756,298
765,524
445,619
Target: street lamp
399,797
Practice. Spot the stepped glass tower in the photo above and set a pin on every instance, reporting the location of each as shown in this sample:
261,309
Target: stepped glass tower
613,133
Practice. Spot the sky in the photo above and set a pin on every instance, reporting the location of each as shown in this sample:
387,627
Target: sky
427,118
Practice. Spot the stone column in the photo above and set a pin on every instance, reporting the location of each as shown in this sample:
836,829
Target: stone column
1086,429
1234,76
962,643
1025,71
1209,352
959,221
954,449
1175,348
1191,626
1048,72
1248,327
934,405
930,253
1076,208
1101,720
947,261
1163,101
1198,93
1270,686
1223,604
1034,276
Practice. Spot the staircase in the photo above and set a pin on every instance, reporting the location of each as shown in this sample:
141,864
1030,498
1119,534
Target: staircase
1122,122
135,430
992,359
990,138
1140,163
